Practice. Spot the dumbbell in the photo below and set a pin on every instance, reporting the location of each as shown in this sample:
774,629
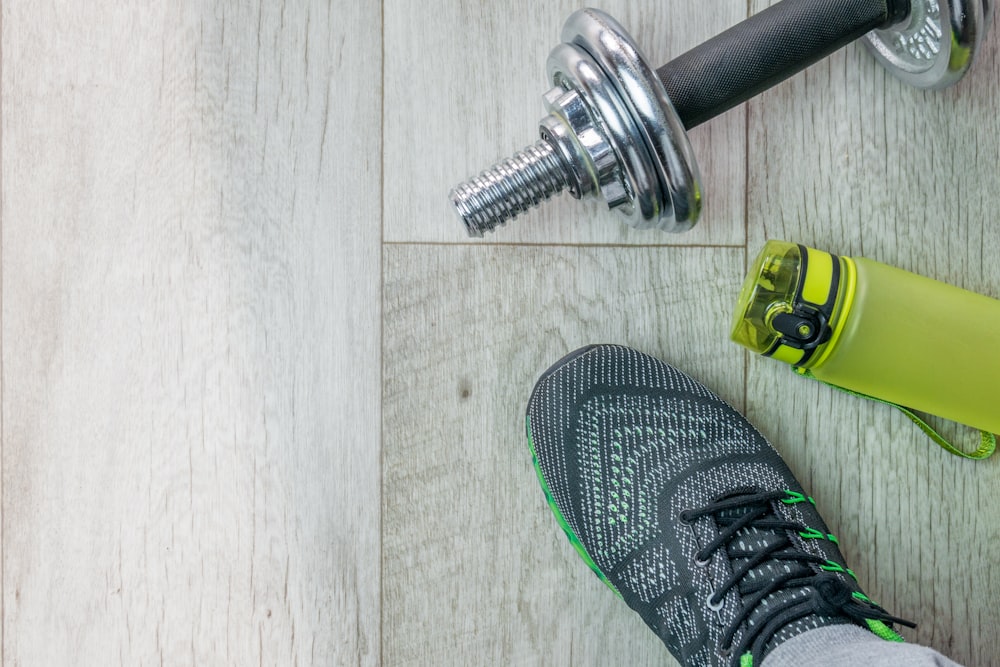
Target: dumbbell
617,129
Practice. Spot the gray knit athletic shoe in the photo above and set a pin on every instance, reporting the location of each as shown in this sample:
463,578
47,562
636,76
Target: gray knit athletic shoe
684,510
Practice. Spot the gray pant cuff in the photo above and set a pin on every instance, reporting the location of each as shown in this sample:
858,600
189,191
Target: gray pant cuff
849,646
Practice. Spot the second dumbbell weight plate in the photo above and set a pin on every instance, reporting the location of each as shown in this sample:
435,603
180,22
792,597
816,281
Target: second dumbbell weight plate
935,46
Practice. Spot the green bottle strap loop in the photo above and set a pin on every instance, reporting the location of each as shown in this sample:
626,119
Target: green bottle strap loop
987,443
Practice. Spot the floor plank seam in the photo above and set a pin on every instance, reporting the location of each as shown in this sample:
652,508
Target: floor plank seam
461,244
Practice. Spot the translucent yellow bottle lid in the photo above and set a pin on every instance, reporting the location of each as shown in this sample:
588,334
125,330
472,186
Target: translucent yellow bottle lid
787,304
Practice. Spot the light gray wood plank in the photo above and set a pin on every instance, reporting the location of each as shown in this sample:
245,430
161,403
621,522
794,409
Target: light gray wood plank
191,405
463,90
850,160
476,570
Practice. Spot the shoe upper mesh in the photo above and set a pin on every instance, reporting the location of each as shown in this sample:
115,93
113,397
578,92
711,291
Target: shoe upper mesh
625,443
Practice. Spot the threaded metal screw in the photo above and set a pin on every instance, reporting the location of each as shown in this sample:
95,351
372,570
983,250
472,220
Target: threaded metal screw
509,188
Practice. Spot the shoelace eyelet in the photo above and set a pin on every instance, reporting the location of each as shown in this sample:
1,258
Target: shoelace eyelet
715,607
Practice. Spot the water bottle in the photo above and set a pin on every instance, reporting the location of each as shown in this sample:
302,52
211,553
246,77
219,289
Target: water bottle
876,330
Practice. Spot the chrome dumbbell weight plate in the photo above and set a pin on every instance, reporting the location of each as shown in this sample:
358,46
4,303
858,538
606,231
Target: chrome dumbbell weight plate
660,173
936,45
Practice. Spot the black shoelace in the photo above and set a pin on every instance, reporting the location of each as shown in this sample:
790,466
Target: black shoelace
830,594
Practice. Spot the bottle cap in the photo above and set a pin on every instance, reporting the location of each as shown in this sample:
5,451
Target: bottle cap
786,306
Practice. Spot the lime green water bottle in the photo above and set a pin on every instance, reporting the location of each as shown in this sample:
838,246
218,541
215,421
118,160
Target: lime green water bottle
876,330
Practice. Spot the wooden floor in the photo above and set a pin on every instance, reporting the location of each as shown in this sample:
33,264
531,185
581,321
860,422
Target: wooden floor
262,400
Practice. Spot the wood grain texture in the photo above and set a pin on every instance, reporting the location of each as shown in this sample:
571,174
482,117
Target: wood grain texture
463,87
476,570
850,160
195,423
190,276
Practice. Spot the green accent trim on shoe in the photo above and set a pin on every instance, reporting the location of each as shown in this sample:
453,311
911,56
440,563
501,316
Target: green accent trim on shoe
837,567
795,497
880,629
573,539
746,660
813,534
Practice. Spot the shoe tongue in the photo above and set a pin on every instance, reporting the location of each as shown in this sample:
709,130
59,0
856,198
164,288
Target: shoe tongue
752,540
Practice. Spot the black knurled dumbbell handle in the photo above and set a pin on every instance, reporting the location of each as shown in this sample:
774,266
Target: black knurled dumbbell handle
766,49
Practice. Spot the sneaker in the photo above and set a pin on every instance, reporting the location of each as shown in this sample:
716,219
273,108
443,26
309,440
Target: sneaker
685,511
